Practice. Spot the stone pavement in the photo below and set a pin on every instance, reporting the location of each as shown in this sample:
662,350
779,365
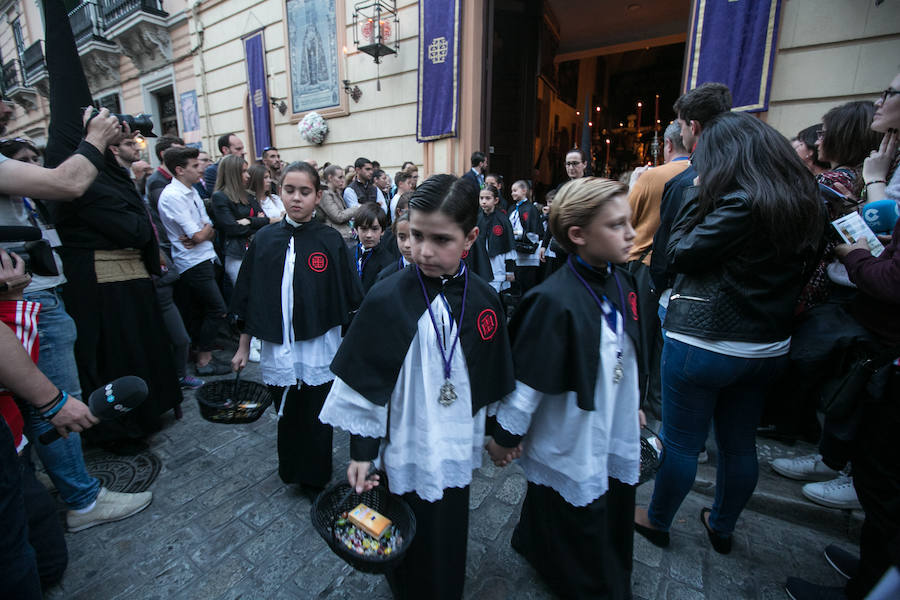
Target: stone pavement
223,526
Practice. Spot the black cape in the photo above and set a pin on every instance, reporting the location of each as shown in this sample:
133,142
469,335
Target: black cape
326,291
378,258
394,267
530,218
556,330
477,259
390,314
495,231
389,241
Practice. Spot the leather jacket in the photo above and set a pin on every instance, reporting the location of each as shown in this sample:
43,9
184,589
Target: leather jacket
731,283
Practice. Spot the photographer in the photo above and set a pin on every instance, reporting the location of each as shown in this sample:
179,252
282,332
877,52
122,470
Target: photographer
110,251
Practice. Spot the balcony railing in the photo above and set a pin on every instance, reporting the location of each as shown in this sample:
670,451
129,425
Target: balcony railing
116,10
10,75
34,60
86,21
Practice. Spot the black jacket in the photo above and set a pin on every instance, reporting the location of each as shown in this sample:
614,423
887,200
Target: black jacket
367,192
226,214
731,284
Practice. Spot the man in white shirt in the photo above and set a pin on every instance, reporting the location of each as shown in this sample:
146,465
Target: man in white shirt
190,230
362,189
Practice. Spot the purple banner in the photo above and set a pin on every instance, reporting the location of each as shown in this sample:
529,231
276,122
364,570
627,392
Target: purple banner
733,42
261,118
438,105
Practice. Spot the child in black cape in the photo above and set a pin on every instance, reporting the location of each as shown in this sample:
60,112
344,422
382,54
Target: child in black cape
495,232
295,291
416,401
576,405
400,229
525,219
372,254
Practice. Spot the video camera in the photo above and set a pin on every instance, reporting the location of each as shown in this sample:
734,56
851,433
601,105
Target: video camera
34,251
141,122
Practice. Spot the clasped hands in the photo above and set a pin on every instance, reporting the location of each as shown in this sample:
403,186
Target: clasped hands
500,455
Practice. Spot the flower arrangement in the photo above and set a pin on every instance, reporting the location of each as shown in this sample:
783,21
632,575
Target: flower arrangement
313,128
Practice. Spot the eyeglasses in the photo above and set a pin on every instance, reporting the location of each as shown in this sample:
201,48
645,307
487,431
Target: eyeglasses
887,94
20,140
573,164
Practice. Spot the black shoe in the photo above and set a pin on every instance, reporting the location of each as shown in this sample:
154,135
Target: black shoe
800,589
720,543
654,536
845,563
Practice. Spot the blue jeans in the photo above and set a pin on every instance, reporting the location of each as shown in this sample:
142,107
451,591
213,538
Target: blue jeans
699,386
63,458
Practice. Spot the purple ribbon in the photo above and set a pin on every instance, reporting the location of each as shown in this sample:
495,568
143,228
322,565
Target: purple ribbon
610,318
462,311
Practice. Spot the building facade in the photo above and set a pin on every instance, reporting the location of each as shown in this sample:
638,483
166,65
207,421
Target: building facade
185,63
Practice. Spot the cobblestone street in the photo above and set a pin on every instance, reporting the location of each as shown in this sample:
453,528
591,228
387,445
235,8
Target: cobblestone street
222,525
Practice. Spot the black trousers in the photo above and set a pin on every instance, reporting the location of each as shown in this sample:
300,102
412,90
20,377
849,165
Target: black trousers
876,477
45,531
18,564
200,282
582,552
304,442
435,564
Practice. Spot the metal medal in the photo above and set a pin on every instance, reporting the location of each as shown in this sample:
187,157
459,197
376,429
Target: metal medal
618,372
448,394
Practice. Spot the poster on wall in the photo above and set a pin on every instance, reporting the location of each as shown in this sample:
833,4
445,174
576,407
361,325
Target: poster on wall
313,55
190,118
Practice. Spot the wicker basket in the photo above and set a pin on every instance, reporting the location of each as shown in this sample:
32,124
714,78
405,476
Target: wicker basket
233,401
339,498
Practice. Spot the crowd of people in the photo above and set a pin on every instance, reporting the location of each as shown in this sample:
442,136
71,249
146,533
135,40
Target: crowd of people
709,298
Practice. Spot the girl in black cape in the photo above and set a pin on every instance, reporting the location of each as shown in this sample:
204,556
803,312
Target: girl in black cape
495,232
575,409
416,402
295,291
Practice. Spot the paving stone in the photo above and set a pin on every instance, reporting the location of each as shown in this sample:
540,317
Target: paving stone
513,490
646,552
478,491
645,580
686,565
222,544
677,591
223,576
284,528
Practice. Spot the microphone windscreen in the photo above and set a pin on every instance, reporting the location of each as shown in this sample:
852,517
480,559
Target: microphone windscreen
19,234
881,215
117,397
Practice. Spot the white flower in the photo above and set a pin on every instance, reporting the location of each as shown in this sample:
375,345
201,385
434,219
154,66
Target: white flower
313,128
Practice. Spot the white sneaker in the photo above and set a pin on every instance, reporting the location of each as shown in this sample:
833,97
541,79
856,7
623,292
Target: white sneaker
837,493
109,507
255,346
804,468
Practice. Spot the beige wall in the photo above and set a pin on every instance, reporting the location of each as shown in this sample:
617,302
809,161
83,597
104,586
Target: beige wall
33,123
830,52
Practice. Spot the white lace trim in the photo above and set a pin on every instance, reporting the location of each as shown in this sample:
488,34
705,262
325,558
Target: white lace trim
581,493
347,409
429,486
514,420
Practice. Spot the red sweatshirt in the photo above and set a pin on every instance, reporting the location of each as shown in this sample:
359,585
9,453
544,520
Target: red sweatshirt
22,318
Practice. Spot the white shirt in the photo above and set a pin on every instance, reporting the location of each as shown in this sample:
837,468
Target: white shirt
182,212
432,447
575,451
294,360
272,206
351,200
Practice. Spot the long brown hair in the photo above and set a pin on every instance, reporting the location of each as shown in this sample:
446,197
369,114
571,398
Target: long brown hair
230,180
257,183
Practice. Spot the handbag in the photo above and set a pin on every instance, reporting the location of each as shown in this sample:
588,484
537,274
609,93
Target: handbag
841,395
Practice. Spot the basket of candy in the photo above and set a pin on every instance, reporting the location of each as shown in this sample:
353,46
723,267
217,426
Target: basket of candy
370,531
227,401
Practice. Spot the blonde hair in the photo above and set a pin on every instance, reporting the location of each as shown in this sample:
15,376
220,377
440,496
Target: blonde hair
230,180
577,202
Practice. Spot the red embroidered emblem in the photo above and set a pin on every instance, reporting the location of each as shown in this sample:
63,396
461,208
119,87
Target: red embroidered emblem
317,262
632,302
498,230
465,254
487,324
525,216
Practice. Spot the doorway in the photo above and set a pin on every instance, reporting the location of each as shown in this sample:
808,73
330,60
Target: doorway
570,73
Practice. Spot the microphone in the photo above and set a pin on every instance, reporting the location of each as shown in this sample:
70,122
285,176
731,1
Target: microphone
881,215
110,401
